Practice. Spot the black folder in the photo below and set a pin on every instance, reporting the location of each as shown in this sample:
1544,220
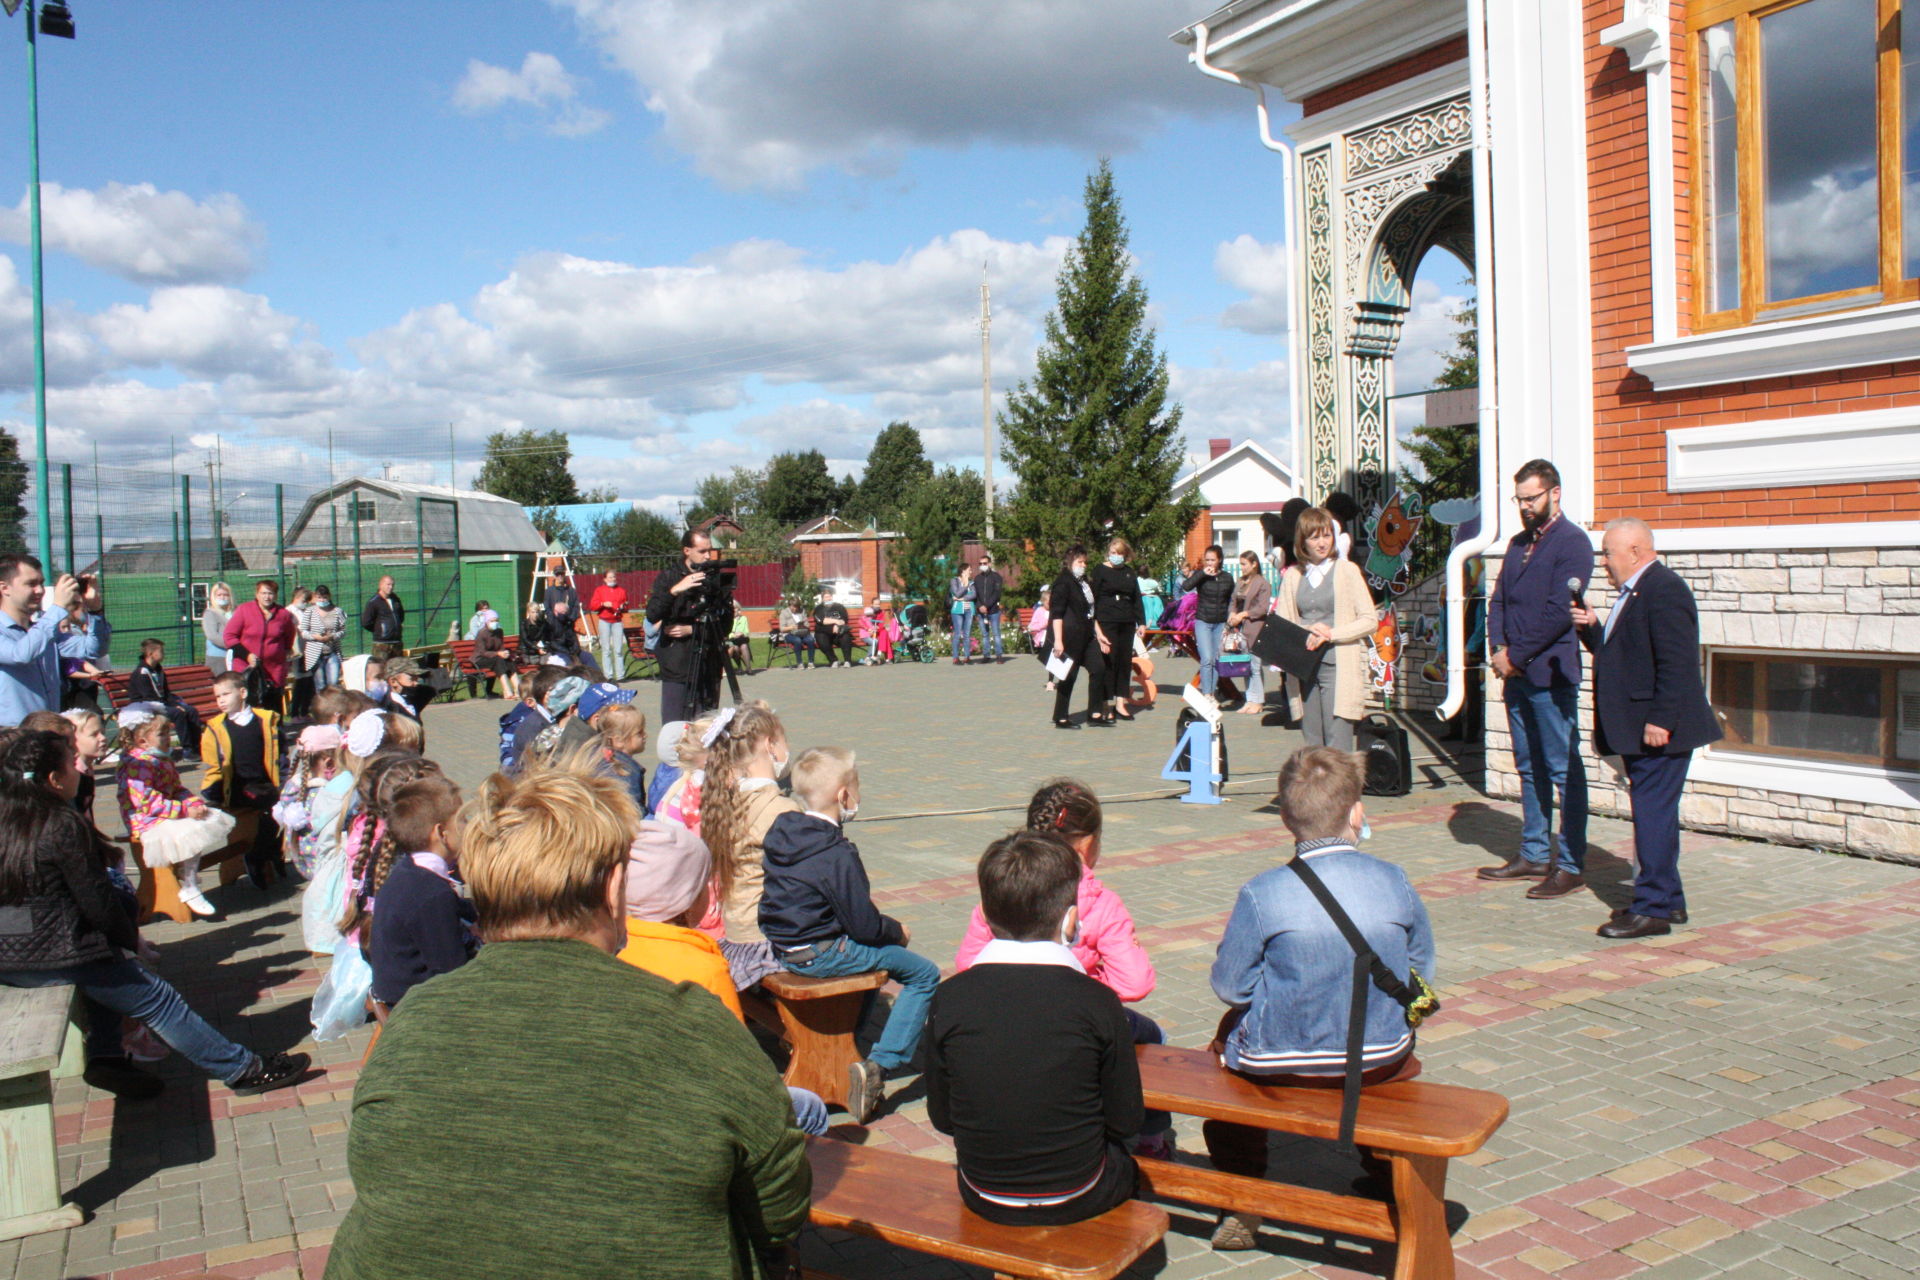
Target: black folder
1283,644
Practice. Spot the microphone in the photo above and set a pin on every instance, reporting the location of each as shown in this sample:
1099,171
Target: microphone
1573,589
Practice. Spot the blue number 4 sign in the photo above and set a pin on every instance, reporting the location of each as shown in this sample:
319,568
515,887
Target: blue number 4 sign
1197,751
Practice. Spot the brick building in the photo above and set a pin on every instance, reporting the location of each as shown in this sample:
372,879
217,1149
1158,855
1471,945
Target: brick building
1695,230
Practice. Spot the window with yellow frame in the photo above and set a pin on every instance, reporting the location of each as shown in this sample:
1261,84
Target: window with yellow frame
1806,123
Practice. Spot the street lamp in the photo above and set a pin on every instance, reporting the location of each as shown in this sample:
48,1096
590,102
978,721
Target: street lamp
53,19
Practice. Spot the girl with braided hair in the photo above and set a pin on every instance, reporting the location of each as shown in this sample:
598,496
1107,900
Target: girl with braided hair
746,754
1106,945
371,847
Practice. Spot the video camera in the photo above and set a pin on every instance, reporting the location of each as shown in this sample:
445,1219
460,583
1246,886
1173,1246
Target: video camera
717,590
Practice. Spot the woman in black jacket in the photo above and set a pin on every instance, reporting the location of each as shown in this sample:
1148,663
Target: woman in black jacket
1077,637
63,922
1210,619
1116,607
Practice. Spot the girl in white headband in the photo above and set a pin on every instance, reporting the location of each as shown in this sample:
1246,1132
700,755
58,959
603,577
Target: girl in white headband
174,827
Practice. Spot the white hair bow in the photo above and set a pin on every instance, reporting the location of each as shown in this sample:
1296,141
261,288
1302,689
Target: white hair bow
719,726
366,733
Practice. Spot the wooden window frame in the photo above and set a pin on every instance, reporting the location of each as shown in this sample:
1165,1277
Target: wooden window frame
1889,669
1750,183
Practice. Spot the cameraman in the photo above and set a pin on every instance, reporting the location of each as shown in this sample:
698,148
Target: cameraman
678,596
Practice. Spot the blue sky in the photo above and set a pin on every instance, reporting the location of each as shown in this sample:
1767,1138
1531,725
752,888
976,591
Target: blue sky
689,235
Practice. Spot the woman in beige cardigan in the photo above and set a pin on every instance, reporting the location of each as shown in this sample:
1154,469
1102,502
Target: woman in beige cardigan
1329,598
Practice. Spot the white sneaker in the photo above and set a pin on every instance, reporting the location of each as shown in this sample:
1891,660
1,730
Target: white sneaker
196,902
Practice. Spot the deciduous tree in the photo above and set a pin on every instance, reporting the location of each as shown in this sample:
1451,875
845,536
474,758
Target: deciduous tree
529,467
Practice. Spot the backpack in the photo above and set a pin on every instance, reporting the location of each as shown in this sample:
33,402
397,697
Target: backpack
508,723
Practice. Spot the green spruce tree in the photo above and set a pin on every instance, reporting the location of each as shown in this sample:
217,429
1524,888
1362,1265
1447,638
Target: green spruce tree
897,466
1093,444
1439,462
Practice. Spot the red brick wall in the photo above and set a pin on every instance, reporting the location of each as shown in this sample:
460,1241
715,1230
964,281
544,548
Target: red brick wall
1380,77
1630,419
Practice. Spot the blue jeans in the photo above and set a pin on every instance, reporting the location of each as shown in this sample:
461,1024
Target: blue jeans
613,647
326,672
809,1111
963,632
1207,637
116,988
917,976
990,636
1546,751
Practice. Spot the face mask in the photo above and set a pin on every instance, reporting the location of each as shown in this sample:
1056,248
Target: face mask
1366,829
1073,939
1079,571
780,762
848,815
376,689
1114,557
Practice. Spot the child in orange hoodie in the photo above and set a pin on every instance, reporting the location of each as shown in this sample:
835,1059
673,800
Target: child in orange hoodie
668,872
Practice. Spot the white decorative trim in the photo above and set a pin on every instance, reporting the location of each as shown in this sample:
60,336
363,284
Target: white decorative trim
1773,537
1834,448
1641,34
1862,784
1381,105
1877,335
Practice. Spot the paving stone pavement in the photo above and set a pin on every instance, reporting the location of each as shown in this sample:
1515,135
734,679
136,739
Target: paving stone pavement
1741,1098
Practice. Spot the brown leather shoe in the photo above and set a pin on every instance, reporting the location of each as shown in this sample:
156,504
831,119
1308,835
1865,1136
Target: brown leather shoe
1518,869
1633,926
1558,884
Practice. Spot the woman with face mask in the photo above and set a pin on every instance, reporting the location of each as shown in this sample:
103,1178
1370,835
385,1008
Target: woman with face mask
213,623
1079,638
1117,608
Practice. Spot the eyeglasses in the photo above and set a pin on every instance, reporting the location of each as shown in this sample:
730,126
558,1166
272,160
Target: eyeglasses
1528,499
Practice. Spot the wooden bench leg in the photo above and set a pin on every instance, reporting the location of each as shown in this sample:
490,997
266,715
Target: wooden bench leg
29,1176
160,894
820,1033
1420,1218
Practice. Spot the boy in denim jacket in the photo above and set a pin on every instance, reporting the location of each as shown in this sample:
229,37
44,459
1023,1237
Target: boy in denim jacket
1286,972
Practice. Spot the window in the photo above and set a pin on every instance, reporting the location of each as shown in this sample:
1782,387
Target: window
197,600
360,510
1807,132
1858,711
1230,542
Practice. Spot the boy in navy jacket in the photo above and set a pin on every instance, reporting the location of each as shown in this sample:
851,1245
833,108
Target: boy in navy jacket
817,910
422,927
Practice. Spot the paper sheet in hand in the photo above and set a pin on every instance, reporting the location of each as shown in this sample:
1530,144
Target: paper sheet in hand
1059,668
1283,644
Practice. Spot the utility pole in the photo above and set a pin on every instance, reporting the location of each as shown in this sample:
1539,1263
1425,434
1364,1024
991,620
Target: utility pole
453,483
986,390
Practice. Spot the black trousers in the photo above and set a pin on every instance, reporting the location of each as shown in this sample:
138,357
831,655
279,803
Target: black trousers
828,637
1114,1188
1119,659
1095,664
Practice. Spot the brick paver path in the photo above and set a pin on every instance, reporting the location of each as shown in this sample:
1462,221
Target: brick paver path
1738,1099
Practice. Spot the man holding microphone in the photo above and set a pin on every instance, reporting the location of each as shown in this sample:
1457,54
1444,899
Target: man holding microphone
1531,642
673,604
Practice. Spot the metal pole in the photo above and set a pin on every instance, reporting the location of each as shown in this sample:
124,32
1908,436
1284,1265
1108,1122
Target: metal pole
182,600
186,538
359,588
986,396
66,510
43,505
280,538
213,501
420,564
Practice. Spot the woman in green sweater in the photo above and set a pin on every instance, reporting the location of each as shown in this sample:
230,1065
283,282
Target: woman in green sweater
547,1110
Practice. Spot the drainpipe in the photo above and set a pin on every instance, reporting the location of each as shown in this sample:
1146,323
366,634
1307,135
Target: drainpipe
1490,506
1295,357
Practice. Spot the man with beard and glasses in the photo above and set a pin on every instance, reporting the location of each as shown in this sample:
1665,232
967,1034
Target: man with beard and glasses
1531,639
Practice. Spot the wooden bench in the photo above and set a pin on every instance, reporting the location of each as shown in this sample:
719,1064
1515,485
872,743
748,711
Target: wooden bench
159,888
817,1017
913,1203
1415,1126
38,1041
643,664
459,663
192,685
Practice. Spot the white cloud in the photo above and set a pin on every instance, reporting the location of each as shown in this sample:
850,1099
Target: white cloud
144,234
1260,270
541,83
1233,404
212,331
761,92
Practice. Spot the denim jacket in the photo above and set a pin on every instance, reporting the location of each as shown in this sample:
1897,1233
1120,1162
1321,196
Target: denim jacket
1285,963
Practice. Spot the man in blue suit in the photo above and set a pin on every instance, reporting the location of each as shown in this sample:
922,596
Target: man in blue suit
1531,643
1651,710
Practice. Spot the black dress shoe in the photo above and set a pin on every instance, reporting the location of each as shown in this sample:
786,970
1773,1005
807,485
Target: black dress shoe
1065,724
1518,869
1677,917
1633,926
1558,884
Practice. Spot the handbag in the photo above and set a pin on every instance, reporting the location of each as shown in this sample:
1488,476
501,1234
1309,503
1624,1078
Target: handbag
1413,995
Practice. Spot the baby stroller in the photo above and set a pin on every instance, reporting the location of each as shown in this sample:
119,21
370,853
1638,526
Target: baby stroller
916,639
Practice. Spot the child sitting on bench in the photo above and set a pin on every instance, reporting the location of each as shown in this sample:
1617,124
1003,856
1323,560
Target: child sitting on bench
422,927
1286,973
739,799
241,747
668,875
175,827
817,910
1105,945
1030,1062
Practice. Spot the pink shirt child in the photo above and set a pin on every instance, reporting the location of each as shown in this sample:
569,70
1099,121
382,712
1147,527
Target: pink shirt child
150,790
1107,948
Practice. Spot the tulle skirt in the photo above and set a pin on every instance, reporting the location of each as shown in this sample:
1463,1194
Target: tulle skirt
172,840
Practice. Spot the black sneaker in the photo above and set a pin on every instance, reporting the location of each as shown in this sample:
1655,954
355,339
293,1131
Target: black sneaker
865,1081
119,1077
275,1071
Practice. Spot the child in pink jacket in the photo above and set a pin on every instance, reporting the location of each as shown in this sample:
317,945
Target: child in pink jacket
1106,947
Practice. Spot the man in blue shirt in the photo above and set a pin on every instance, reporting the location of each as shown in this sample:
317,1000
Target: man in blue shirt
1532,649
32,642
